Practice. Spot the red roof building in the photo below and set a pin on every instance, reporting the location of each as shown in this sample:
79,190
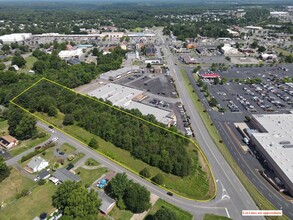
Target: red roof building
210,75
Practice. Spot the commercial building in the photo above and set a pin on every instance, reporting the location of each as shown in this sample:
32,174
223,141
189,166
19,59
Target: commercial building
116,74
279,14
65,54
10,38
130,98
227,49
275,143
112,34
209,75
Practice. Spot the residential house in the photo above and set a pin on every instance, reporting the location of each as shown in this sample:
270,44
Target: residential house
107,202
63,174
36,164
8,142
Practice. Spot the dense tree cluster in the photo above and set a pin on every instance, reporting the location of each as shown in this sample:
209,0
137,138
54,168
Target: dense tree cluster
129,195
76,202
147,142
4,170
21,124
163,214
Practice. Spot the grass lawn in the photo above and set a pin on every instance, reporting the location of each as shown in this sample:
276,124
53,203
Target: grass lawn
284,52
89,176
33,205
91,162
137,29
13,185
67,148
215,217
27,144
181,214
29,64
116,213
199,179
3,127
257,197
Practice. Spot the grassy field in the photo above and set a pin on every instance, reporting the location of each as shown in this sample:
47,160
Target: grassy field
279,50
89,176
138,29
116,213
92,162
178,185
174,183
202,189
27,144
257,197
3,127
13,185
67,148
29,64
181,214
215,217
33,205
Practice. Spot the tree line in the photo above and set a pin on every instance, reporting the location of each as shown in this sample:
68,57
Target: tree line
151,144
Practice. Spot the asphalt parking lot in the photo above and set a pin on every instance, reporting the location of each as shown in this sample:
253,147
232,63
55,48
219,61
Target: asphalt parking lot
158,84
268,96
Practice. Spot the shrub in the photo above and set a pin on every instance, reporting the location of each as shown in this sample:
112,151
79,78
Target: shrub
42,182
159,179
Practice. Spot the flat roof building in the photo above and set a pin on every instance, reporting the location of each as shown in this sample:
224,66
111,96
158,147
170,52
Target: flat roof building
129,98
63,54
10,38
275,143
116,74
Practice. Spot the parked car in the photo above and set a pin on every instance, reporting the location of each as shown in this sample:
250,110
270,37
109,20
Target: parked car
61,153
38,147
70,166
169,194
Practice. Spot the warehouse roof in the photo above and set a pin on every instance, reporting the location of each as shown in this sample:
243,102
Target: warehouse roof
277,139
117,94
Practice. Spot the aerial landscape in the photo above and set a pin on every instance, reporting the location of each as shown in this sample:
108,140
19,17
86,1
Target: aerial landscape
146,110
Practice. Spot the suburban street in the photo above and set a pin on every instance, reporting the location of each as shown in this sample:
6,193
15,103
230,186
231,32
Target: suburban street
238,197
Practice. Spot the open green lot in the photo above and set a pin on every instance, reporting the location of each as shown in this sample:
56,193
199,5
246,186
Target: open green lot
215,217
257,197
116,213
200,179
181,214
91,162
68,149
29,64
89,176
13,185
3,127
174,183
30,206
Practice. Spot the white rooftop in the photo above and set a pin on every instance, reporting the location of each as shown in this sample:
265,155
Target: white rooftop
119,72
160,114
70,53
117,94
123,96
279,129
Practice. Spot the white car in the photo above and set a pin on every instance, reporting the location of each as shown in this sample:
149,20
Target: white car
54,139
52,131
37,178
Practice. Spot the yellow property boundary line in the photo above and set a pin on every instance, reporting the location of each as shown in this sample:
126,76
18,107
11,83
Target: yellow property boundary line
117,162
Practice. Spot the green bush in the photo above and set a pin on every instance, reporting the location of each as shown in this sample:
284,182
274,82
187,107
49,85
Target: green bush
42,182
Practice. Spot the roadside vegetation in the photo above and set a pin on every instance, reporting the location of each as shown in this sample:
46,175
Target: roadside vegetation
184,164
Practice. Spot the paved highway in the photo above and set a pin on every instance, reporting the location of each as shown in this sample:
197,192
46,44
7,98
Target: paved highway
238,197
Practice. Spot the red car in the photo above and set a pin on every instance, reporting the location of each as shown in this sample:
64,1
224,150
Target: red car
38,147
